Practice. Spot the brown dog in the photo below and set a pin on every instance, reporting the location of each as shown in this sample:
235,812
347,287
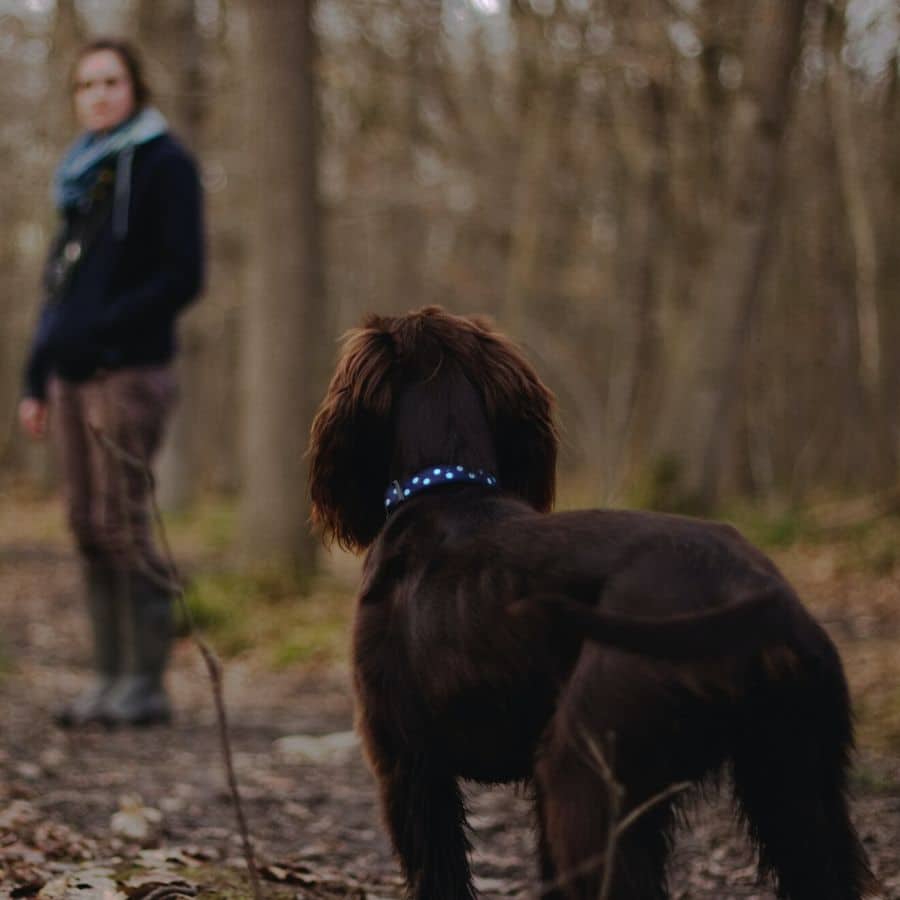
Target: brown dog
435,448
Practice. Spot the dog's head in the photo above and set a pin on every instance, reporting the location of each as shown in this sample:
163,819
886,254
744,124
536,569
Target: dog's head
424,388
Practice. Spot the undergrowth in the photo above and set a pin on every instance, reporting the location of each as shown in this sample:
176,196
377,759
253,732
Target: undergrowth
843,563
266,612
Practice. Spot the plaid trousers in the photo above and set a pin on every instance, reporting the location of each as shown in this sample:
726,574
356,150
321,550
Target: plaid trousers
106,431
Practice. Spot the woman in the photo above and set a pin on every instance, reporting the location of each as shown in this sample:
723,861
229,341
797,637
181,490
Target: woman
128,258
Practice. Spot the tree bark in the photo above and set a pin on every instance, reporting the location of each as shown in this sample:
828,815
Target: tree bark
638,273
852,189
863,240
286,333
709,351
889,299
168,36
544,98
54,131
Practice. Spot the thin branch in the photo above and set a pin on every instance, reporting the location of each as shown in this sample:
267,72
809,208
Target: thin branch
212,661
617,826
616,794
672,790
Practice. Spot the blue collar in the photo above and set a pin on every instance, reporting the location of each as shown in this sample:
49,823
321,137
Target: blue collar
433,477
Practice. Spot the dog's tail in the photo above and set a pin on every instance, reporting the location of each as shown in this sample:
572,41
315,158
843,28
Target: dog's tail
748,624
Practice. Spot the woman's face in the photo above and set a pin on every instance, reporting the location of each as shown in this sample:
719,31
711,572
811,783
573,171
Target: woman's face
104,94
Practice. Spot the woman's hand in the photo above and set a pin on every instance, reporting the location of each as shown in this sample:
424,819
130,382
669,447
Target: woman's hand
33,417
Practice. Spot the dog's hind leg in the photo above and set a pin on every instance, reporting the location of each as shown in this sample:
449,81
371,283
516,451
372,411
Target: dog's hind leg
790,778
574,821
425,814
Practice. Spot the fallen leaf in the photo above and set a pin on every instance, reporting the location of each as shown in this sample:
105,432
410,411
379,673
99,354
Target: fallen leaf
162,857
274,873
18,813
159,889
75,885
135,821
336,748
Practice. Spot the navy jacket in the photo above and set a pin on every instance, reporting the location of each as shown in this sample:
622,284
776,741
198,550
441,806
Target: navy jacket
118,306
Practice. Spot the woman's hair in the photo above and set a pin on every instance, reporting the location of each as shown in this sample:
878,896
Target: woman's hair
129,56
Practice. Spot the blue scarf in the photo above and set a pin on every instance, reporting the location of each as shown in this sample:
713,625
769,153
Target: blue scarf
76,174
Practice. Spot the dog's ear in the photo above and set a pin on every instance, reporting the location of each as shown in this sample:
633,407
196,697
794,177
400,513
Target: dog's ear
350,440
521,410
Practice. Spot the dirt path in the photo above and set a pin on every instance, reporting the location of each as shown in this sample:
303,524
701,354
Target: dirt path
313,820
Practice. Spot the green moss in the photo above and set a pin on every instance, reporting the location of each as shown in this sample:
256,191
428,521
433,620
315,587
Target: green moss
313,642
878,718
269,611
779,530
661,487
210,523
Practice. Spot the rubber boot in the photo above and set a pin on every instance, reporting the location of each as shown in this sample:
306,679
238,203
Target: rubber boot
103,612
139,696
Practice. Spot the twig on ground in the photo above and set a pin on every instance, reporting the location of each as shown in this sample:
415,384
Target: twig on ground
172,582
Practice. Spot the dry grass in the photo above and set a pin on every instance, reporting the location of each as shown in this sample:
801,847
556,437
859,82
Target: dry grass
28,518
849,580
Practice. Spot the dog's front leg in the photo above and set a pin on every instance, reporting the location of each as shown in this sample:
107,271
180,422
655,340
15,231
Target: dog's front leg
424,810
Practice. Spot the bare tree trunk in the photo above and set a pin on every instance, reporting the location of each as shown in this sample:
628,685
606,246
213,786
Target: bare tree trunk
859,219
65,39
540,106
889,297
861,229
168,36
54,131
286,327
408,219
525,227
15,318
641,257
710,347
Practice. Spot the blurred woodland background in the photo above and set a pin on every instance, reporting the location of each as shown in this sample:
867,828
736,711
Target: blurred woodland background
686,210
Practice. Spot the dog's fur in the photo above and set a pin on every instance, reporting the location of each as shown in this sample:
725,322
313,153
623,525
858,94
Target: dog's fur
486,643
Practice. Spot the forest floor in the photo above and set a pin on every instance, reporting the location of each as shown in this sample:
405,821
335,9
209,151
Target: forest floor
146,814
